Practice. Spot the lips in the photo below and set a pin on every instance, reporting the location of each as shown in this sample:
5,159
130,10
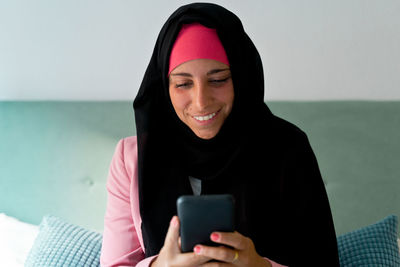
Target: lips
206,118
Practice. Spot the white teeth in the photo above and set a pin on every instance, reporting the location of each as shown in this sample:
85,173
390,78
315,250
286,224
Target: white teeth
205,118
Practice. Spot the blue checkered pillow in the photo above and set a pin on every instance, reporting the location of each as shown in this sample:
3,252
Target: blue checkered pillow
62,244
373,245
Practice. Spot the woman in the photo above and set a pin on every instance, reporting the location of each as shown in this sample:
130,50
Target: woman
203,128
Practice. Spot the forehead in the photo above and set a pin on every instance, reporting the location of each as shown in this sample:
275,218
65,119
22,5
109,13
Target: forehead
199,66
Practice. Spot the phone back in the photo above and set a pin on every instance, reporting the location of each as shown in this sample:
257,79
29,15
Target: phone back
202,215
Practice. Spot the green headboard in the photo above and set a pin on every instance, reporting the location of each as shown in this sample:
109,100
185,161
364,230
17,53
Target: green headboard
357,145
54,157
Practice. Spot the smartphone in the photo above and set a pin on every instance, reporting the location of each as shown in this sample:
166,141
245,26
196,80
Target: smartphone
201,215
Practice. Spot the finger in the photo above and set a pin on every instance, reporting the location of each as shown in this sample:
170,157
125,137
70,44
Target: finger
171,240
172,246
216,264
191,259
235,239
221,253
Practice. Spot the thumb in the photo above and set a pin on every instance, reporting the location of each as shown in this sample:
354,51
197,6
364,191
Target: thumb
172,237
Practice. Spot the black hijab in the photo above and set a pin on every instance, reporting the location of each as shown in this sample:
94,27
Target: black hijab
256,156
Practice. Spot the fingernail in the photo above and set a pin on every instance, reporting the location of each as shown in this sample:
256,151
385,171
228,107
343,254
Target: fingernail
215,237
174,221
197,249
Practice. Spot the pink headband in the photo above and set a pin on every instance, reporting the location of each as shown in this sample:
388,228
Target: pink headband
196,41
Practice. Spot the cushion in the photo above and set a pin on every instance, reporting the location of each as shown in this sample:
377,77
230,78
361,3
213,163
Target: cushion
60,243
16,239
373,245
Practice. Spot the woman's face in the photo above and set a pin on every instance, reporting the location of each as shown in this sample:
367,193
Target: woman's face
201,92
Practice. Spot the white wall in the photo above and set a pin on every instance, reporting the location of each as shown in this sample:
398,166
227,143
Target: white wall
98,50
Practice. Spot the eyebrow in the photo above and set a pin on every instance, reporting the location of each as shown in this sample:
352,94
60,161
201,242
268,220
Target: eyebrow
185,74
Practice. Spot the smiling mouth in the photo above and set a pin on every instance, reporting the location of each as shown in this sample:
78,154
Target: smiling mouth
206,117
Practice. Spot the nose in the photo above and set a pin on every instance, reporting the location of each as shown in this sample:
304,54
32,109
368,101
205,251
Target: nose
202,96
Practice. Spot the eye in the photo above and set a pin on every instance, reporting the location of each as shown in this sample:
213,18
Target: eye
219,81
184,85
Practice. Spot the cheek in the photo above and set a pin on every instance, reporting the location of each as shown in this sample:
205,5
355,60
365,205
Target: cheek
231,98
227,96
179,100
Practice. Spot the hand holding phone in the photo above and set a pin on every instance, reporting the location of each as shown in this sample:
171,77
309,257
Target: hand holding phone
202,215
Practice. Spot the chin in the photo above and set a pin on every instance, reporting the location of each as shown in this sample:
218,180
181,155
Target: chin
206,135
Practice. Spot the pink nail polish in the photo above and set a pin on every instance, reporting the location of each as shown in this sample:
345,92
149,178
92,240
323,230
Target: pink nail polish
197,249
215,237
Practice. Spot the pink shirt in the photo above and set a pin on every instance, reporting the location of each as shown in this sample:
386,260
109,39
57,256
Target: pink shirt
122,236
